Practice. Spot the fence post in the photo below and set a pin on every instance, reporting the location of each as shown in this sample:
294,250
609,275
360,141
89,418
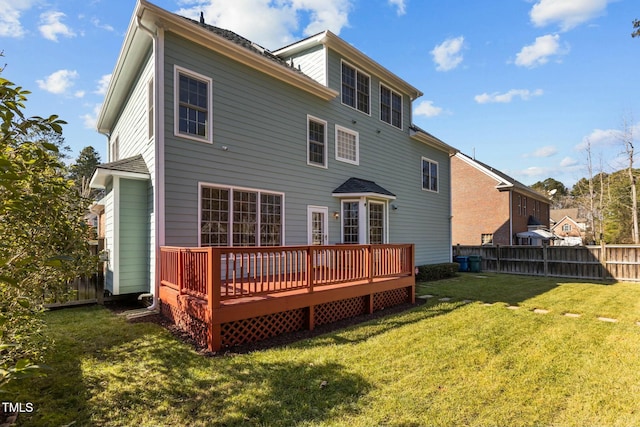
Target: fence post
498,258
603,258
544,260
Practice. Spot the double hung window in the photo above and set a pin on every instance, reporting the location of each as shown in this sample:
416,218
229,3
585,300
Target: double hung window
355,88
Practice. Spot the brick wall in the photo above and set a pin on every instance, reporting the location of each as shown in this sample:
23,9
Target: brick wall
477,206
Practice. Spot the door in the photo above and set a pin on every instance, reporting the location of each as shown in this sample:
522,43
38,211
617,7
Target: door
318,225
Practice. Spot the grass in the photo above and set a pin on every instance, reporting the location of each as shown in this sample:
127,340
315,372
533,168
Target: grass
442,363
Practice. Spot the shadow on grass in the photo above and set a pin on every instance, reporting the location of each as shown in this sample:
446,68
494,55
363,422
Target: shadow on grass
138,374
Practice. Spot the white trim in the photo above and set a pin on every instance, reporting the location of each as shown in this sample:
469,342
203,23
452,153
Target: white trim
310,211
422,160
326,142
385,222
380,86
177,70
357,136
231,189
358,71
114,259
358,195
100,176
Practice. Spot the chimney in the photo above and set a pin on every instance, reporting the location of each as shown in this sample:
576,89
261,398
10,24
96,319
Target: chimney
202,18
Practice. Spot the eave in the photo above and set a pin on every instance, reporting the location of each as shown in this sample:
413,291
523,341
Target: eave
430,140
353,55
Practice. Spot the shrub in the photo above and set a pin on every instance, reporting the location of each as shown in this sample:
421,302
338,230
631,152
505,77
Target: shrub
432,272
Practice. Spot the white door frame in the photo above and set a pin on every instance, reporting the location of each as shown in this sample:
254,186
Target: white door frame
325,223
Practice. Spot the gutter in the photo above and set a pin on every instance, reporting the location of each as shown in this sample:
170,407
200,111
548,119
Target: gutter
158,128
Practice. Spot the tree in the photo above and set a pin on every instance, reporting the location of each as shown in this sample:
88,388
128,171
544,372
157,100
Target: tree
43,243
636,26
82,170
626,137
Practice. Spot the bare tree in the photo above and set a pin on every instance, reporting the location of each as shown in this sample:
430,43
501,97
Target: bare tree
626,136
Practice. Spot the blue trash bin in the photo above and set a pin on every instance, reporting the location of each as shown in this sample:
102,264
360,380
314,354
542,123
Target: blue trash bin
464,263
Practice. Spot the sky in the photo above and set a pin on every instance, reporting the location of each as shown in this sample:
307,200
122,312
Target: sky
522,85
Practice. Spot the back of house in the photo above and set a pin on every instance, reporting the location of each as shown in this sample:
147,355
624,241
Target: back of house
217,141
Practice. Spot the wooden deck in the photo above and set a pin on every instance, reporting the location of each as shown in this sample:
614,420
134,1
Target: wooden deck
228,296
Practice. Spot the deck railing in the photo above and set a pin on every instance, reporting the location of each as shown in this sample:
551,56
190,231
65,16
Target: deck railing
223,273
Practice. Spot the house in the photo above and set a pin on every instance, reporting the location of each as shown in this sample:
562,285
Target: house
491,208
215,141
569,226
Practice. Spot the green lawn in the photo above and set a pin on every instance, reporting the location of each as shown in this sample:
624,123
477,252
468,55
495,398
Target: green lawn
442,363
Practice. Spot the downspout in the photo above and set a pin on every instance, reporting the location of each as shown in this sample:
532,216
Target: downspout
158,129
510,218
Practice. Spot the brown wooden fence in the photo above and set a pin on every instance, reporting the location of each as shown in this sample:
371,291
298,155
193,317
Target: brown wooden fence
605,262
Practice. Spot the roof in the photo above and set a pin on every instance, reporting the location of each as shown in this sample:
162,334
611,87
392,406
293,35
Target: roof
149,20
505,182
425,137
362,187
131,167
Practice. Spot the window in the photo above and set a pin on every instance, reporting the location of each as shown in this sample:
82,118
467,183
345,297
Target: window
347,145
390,107
524,206
193,110
566,227
519,205
376,223
150,119
350,223
487,239
240,217
316,142
355,88
429,175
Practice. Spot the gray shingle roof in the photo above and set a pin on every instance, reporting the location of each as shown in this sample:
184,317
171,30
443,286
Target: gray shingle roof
361,186
133,164
241,41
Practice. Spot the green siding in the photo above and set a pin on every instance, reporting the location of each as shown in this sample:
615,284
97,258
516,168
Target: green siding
262,122
133,237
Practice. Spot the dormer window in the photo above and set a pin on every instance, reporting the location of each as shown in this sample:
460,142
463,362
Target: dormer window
355,88
390,107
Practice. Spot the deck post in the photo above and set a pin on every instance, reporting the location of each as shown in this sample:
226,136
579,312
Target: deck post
180,272
214,340
311,268
369,258
412,260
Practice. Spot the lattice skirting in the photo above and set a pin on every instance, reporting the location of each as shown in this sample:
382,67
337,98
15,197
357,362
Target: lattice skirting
264,327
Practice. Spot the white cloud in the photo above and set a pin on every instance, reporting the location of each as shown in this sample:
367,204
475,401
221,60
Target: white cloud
96,23
272,24
539,52
90,120
567,13
401,8
51,26
546,151
10,25
524,94
607,137
567,162
103,84
447,54
58,82
427,109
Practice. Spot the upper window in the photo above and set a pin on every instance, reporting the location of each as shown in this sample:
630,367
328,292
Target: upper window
193,105
347,145
316,142
240,217
429,175
390,107
355,88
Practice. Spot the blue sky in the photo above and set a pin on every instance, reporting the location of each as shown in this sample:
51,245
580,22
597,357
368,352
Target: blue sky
523,84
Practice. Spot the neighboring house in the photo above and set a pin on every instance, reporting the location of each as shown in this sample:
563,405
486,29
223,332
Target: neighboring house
569,226
216,141
491,208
